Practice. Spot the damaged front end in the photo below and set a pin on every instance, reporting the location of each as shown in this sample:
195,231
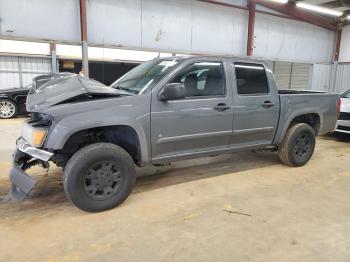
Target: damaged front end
24,158
29,152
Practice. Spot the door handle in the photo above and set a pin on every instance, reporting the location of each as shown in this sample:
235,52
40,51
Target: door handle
267,104
221,107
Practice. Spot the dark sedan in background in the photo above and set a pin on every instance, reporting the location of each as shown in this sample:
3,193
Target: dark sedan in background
13,102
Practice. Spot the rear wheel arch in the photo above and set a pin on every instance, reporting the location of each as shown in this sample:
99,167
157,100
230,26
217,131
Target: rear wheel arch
312,119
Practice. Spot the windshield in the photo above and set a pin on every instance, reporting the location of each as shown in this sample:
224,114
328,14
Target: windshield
346,94
138,79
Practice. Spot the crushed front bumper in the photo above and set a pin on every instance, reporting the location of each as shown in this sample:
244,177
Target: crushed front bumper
24,157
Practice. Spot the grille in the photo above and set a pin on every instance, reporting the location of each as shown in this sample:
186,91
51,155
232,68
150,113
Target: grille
344,116
345,128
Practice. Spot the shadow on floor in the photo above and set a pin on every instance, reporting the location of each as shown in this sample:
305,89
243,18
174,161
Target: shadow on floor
49,194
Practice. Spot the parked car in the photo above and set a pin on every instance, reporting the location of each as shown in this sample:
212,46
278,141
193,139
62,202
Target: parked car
13,101
164,110
343,123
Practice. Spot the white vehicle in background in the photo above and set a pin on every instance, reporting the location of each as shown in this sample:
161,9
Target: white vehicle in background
343,123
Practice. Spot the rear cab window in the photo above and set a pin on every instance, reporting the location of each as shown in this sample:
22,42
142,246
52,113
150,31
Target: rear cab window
251,79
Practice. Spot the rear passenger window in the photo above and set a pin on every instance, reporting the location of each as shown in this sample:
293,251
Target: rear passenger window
251,79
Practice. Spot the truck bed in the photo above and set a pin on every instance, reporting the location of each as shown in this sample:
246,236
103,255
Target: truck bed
298,92
294,103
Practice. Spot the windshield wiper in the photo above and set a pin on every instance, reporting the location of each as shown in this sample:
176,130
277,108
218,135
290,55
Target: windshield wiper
129,90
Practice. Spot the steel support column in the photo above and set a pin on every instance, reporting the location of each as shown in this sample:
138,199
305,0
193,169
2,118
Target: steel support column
251,25
337,45
53,58
83,30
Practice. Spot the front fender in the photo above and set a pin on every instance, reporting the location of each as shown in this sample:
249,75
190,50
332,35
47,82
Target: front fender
63,130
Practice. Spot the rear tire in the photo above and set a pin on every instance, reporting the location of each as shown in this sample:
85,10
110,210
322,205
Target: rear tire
8,109
99,177
298,145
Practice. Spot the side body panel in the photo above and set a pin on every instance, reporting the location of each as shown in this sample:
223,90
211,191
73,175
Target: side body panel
254,123
191,125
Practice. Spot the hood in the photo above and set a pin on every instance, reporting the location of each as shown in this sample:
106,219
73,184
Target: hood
345,105
52,89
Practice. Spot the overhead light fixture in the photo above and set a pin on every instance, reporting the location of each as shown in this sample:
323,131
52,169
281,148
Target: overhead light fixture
319,9
280,1
348,17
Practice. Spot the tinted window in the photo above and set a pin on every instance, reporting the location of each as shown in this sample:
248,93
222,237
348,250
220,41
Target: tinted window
251,79
203,79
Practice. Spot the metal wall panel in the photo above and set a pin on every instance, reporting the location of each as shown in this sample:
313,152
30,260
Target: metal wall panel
321,77
344,55
178,25
218,29
293,75
32,67
288,40
300,77
9,72
342,78
115,22
48,19
19,71
282,71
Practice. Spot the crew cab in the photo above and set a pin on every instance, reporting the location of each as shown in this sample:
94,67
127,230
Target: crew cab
164,110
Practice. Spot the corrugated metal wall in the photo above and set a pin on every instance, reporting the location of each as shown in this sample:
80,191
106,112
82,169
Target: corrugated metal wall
342,78
292,75
331,77
16,71
321,77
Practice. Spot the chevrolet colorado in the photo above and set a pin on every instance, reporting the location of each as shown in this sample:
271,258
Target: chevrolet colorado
164,110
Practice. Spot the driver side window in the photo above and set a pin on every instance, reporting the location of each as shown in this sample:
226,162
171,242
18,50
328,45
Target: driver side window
203,79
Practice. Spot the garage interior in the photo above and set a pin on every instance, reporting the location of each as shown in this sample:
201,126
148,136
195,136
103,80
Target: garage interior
243,206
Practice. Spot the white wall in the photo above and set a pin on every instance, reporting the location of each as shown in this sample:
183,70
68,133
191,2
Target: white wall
47,19
169,25
344,55
289,40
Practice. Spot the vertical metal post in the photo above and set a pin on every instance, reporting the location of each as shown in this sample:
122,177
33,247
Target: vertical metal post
85,59
20,72
337,45
53,58
251,25
83,30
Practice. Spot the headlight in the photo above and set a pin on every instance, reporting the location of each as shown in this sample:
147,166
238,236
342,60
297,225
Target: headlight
35,130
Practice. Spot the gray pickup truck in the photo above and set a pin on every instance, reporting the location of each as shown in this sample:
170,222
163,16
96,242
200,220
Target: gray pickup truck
164,110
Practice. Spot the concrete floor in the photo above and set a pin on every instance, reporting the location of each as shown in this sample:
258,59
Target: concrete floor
239,207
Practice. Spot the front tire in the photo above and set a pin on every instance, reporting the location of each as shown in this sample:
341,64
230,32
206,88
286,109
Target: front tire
298,145
99,177
8,109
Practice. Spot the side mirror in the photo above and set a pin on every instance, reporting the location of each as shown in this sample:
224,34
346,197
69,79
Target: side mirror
172,91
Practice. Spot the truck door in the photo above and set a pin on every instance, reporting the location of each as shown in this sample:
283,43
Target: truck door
256,106
200,122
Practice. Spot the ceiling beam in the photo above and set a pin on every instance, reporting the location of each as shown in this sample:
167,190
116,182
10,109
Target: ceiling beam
306,16
335,4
